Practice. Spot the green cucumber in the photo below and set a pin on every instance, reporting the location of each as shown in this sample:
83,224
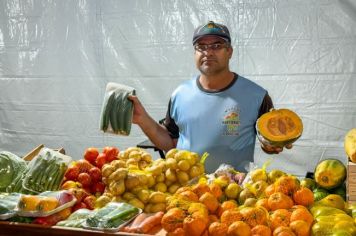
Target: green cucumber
114,113
104,124
128,114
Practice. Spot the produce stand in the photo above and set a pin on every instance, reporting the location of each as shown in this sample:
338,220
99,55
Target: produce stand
14,229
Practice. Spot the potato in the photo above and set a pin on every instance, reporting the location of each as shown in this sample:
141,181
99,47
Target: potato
132,161
143,195
148,207
171,174
142,165
193,158
155,170
183,165
171,163
171,153
128,196
136,155
173,188
137,203
132,181
194,171
181,155
145,156
102,201
183,177
160,178
107,170
157,197
118,174
161,187
150,181
117,188
143,179
118,164
158,207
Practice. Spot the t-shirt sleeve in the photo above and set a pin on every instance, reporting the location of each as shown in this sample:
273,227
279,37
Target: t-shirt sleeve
266,105
170,124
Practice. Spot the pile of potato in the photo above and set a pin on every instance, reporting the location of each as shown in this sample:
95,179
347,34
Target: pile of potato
136,179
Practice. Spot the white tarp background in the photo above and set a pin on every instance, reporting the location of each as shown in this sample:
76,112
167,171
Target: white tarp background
56,57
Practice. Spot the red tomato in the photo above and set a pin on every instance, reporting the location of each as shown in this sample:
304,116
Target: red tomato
83,165
78,206
91,154
98,187
90,202
84,179
101,160
111,153
95,174
72,173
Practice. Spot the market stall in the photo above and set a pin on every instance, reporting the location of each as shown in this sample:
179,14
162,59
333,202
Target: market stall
170,196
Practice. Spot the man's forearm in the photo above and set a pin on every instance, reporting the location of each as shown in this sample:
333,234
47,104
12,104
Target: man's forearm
157,133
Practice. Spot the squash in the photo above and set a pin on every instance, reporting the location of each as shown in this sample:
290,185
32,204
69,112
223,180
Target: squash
350,145
330,173
279,127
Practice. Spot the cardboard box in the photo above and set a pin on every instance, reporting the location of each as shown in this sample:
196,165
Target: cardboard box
351,181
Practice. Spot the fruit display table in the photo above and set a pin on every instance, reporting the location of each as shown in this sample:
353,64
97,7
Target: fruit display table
19,229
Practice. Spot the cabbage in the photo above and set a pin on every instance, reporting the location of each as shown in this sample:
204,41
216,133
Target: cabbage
11,167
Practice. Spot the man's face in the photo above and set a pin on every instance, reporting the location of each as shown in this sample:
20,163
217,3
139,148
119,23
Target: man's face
212,55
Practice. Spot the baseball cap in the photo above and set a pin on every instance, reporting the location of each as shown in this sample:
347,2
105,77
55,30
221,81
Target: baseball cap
211,28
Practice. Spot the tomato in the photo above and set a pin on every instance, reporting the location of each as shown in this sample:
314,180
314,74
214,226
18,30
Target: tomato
98,187
91,154
101,160
78,206
84,179
72,173
83,165
90,202
111,153
95,174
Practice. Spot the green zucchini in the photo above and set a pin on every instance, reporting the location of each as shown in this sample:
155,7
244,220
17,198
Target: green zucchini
105,117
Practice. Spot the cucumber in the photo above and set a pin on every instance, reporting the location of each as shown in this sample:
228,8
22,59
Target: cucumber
104,124
122,112
114,113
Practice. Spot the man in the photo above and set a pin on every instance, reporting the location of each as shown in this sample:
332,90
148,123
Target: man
215,112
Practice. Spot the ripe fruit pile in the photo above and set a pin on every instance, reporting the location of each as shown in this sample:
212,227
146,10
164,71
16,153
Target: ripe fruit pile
136,179
84,177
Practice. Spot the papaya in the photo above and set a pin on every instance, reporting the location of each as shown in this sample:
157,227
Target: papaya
332,200
330,173
350,144
325,211
279,127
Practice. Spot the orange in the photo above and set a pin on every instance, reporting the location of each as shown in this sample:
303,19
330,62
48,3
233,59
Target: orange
261,230
239,228
217,229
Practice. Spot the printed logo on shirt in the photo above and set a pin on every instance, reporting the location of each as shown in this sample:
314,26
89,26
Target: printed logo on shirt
231,121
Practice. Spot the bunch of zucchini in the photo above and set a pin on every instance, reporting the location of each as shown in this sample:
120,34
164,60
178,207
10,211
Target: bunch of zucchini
116,115
46,171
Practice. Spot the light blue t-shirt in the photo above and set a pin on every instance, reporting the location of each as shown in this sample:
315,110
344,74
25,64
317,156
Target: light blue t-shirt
221,123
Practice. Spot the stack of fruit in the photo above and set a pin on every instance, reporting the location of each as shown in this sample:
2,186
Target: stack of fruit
84,178
136,179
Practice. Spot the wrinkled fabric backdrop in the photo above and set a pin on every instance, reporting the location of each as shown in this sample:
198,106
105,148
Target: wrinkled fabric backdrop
57,56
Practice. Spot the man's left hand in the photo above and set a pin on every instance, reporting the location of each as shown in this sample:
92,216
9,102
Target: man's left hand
273,149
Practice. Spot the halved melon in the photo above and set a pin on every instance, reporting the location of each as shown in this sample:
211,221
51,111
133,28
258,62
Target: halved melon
279,127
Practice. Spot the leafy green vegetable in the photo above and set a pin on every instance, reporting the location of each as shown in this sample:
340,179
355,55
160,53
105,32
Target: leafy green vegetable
11,166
